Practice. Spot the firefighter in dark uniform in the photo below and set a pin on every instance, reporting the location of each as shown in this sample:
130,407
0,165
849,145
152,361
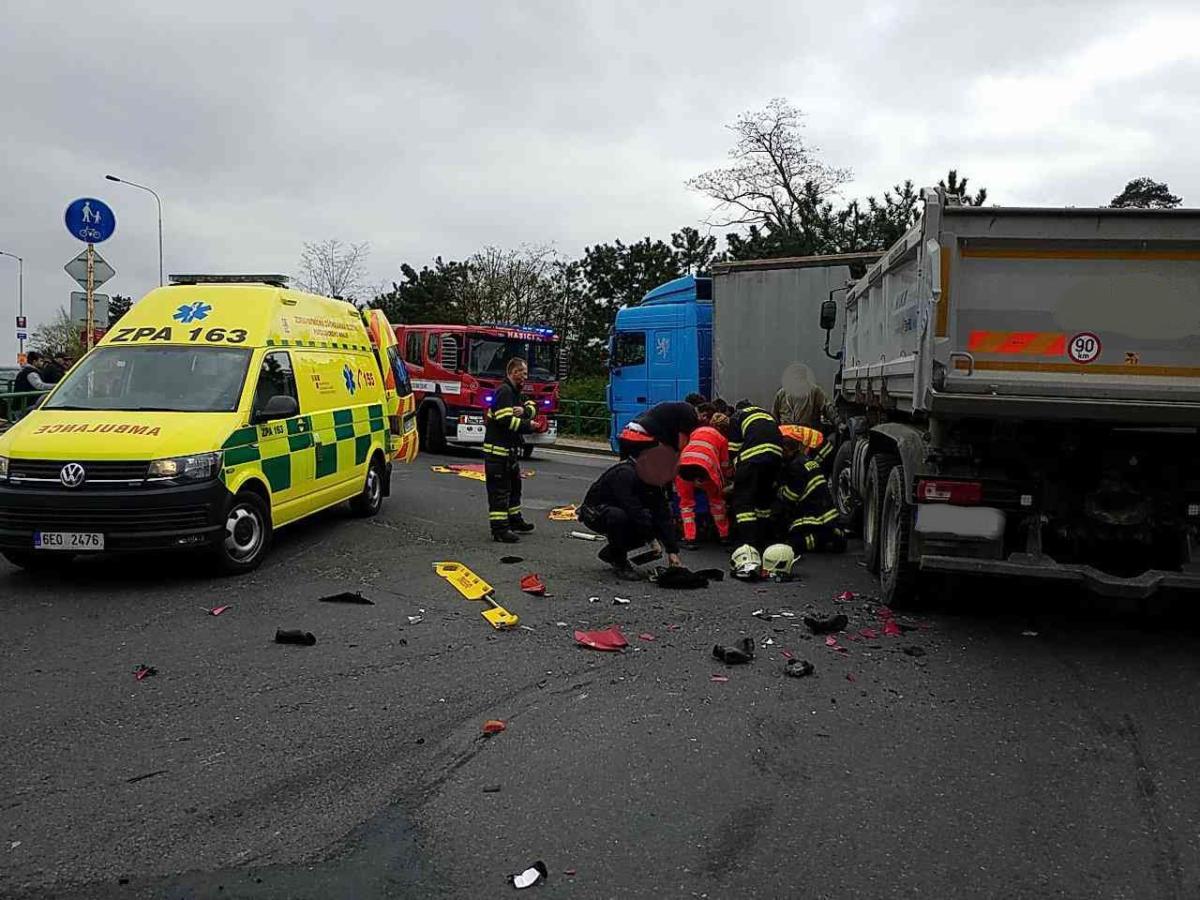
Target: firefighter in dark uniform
511,416
756,446
804,508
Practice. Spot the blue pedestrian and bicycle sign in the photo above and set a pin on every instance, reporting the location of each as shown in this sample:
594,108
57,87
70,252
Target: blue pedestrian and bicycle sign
90,220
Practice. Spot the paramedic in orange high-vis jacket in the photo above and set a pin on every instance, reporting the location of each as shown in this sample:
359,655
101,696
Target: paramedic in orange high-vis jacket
704,465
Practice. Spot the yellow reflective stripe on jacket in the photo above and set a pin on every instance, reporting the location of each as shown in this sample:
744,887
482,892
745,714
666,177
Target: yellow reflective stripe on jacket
734,447
760,450
815,521
498,450
817,482
788,494
755,417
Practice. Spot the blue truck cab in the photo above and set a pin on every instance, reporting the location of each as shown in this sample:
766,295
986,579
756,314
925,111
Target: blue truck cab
660,350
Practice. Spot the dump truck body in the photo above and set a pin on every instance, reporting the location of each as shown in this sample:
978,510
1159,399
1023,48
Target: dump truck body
1043,364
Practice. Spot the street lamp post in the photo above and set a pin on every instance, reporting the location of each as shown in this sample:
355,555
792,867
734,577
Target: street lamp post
157,200
20,289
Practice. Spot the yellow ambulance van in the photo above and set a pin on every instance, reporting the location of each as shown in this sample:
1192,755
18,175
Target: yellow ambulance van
217,410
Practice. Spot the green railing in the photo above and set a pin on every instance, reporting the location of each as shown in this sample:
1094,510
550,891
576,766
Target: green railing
584,418
13,406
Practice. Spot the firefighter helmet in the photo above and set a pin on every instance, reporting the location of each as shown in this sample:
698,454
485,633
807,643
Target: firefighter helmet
778,560
745,562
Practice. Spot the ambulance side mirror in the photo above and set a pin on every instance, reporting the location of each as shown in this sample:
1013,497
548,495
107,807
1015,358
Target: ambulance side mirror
281,406
828,314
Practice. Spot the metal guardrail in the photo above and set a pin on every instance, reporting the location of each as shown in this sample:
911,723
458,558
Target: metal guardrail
584,418
13,406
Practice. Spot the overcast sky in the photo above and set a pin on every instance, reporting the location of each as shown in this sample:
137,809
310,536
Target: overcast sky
431,129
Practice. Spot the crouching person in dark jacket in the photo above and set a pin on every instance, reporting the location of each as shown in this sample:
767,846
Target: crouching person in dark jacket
629,513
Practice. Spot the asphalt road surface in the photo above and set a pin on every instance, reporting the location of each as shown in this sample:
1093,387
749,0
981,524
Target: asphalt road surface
1064,763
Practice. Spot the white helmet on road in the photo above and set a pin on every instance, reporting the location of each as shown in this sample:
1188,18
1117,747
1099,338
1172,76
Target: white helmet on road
745,562
778,560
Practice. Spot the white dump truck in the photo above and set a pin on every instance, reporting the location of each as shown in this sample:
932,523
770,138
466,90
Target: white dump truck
1022,393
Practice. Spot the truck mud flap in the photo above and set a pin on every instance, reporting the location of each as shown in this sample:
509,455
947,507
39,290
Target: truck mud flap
1043,568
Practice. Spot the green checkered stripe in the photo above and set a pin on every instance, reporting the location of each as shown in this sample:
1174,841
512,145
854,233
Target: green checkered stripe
338,440
320,345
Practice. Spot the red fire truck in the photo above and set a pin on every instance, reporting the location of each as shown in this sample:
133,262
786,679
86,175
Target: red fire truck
456,369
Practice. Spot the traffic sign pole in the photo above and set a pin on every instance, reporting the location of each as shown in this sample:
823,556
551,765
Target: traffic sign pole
91,303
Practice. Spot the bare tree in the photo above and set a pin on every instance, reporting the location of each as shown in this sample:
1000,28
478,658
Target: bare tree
510,285
775,180
334,269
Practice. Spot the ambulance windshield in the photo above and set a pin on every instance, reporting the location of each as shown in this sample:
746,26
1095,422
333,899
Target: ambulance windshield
163,379
489,356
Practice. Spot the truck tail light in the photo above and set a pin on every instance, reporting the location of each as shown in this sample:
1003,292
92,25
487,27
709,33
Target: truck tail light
959,493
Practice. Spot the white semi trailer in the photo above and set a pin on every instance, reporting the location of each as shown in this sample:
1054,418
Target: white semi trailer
1023,392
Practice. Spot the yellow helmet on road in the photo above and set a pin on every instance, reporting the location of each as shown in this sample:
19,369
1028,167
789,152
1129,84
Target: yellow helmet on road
745,562
778,560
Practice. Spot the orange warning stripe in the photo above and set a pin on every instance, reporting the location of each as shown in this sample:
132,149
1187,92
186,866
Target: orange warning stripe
1018,343
1079,368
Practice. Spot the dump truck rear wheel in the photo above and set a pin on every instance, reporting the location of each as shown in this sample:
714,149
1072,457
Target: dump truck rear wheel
897,573
879,467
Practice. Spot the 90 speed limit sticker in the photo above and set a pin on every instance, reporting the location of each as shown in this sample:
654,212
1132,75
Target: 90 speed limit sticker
1083,347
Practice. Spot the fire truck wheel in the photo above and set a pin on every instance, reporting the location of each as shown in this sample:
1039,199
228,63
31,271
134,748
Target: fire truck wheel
433,437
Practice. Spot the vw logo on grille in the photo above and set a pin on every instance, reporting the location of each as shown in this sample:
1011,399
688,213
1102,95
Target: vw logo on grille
72,475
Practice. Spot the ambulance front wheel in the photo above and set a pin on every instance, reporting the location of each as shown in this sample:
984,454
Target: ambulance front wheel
370,501
246,536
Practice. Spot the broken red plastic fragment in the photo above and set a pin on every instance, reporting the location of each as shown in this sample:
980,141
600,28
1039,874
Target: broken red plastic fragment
532,584
674,627
719,678
787,654
846,596
608,639
568,872
885,612
144,671
869,633
891,629
494,726
850,676
832,643
646,636
217,610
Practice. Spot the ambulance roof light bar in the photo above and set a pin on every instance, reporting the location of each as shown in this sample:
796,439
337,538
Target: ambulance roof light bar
273,280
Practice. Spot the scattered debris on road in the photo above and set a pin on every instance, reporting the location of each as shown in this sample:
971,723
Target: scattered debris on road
720,679
494,726
798,668
739,654
608,639
492,789
832,643
846,597
415,620
621,601
530,876
509,560
472,587
143,671
136,778
914,651
682,578
1029,634
646,636
217,610
587,536
347,597
296,636
562,514
533,584
827,626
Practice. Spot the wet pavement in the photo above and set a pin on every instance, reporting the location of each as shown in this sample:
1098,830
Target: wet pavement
1027,744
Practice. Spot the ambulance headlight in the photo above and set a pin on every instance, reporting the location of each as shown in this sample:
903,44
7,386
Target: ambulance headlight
199,467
